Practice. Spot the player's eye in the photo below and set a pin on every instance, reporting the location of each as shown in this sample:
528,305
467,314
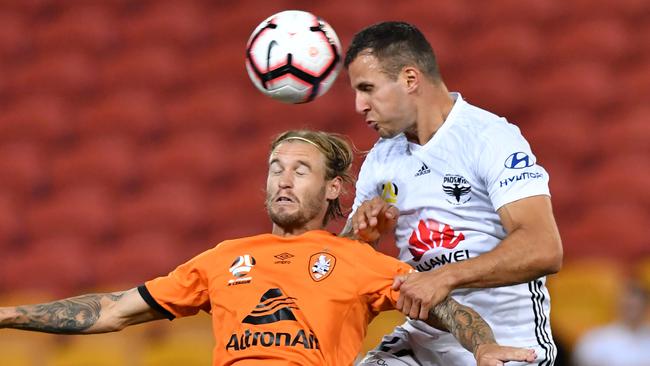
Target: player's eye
275,169
302,170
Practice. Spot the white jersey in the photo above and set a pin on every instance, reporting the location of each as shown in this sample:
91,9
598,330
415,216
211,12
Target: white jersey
447,192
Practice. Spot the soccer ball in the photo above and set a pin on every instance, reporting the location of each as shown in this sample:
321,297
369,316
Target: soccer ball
293,56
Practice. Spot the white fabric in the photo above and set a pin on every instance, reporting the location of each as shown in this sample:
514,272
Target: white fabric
410,346
614,345
448,192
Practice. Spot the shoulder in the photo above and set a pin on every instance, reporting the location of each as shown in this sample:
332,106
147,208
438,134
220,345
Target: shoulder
237,245
386,150
482,124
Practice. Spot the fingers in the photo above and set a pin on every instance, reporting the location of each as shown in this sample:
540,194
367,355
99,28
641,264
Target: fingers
496,355
424,311
391,212
366,215
414,311
398,281
405,307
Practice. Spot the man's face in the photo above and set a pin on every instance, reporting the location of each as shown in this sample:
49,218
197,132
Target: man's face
296,186
384,102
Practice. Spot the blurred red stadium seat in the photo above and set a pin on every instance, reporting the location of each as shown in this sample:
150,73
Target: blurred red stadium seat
538,14
139,257
604,40
620,179
453,16
608,230
129,113
238,211
181,22
626,133
560,135
235,20
60,72
207,66
171,207
565,182
495,88
517,47
160,67
357,15
82,212
220,109
23,168
41,119
60,265
11,222
635,79
15,37
197,158
628,9
107,162
588,85
87,27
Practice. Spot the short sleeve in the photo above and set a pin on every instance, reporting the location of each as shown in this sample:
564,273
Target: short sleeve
509,168
183,292
376,278
366,186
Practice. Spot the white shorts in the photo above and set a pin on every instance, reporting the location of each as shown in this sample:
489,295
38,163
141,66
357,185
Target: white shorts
411,346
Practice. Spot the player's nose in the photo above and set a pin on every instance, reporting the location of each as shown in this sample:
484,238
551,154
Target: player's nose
361,104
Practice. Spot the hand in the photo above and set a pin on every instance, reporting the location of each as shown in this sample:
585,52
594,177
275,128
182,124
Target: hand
373,219
495,355
419,292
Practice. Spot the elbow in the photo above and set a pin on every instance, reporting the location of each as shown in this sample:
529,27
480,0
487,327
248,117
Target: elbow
553,258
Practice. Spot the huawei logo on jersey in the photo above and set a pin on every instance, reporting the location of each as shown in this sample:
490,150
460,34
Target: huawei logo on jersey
432,234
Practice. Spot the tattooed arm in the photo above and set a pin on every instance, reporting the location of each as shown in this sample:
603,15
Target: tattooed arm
92,313
473,333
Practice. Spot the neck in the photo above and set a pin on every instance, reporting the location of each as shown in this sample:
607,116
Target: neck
288,231
432,113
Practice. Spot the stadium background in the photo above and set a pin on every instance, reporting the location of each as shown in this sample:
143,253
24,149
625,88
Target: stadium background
131,139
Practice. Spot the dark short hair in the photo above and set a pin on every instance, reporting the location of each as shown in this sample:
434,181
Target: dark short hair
338,154
395,45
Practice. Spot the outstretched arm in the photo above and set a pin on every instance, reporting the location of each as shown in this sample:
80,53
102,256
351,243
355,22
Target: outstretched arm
473,333
85,314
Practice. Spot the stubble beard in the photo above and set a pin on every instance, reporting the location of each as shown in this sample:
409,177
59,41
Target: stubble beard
299,218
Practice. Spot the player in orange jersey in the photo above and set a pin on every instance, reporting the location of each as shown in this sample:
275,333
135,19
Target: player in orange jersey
297,296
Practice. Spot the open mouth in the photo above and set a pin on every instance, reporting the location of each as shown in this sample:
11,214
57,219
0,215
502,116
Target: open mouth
284,199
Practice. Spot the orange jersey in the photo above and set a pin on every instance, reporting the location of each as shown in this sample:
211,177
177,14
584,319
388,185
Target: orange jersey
304,300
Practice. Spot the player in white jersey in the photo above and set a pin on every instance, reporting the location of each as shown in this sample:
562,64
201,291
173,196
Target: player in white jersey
461,188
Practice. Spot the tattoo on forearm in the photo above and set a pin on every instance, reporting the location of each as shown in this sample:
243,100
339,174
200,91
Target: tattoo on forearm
68,316
464,323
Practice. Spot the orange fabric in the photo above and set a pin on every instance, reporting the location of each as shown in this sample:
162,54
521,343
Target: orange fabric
306,300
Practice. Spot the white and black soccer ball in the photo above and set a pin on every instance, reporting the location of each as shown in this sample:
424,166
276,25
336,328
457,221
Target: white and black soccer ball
293,56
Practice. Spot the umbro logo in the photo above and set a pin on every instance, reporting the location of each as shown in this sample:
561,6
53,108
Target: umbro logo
283,258
423,170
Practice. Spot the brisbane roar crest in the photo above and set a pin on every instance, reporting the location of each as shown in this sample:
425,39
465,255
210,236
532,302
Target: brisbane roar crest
321,265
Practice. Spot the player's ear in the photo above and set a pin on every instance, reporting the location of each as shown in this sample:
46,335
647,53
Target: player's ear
333,188
411,77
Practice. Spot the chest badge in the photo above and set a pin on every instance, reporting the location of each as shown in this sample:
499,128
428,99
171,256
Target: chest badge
321,266
458,188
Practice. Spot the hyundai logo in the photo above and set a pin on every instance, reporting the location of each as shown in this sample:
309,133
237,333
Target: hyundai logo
518,160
